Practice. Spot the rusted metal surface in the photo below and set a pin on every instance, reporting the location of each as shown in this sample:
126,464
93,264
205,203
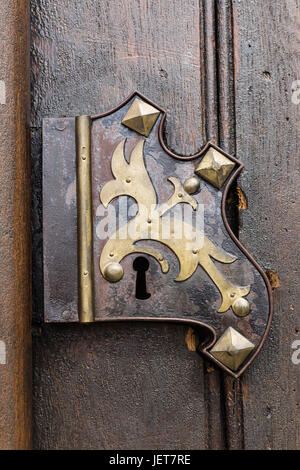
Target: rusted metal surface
15,256
61,205
196,299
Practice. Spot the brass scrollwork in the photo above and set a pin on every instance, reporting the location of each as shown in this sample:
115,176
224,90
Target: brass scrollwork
193,248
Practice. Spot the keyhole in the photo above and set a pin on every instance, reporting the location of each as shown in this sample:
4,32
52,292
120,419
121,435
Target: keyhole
141,265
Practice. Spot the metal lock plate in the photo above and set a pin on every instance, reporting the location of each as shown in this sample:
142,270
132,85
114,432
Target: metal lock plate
135,232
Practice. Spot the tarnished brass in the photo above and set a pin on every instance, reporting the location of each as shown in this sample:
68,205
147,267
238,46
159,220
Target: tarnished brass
232,349
113,272
169,208
84,219
215,167
141,117
241,307
191,185
190,245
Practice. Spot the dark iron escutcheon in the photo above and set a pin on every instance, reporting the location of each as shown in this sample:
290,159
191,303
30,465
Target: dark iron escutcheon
114,172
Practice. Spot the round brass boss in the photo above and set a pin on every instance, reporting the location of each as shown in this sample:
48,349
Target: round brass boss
241,307
191,185
113,272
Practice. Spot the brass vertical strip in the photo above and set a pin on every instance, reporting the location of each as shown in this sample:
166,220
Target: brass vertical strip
84,220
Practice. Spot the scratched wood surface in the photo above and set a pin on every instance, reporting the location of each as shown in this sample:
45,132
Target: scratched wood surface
267,64
122,386
136,386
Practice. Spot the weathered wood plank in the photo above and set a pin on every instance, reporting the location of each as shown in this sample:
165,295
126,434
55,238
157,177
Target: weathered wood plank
232,397
267,62
15,278
86,57
125,387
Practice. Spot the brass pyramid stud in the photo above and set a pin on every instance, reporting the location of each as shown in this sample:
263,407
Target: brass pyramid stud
141,117
215,167
232,348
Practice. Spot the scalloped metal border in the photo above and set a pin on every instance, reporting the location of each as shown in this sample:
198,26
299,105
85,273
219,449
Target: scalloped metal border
204,349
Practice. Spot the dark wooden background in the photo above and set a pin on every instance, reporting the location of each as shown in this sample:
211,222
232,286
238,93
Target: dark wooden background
15,249
224,71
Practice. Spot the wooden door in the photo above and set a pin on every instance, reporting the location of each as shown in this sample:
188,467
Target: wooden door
224,71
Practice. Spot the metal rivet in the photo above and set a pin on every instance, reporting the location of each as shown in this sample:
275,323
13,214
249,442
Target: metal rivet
179,194
113,272
241,307
191,185
128,180
60,126
149,221
141,117
232,348
195,251
215,167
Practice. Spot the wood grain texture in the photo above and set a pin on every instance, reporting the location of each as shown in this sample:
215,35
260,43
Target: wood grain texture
125,387
267,133
86,57
15,279
232,394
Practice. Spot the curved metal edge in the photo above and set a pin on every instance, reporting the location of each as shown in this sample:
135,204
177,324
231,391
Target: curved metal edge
161,128
228,183
196,324
255,264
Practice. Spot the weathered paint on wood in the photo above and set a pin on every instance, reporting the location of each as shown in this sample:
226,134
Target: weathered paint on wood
15,279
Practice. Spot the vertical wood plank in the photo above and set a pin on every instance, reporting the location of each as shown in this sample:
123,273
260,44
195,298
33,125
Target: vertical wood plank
143,386
15,279
267,64
232,394
214,399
